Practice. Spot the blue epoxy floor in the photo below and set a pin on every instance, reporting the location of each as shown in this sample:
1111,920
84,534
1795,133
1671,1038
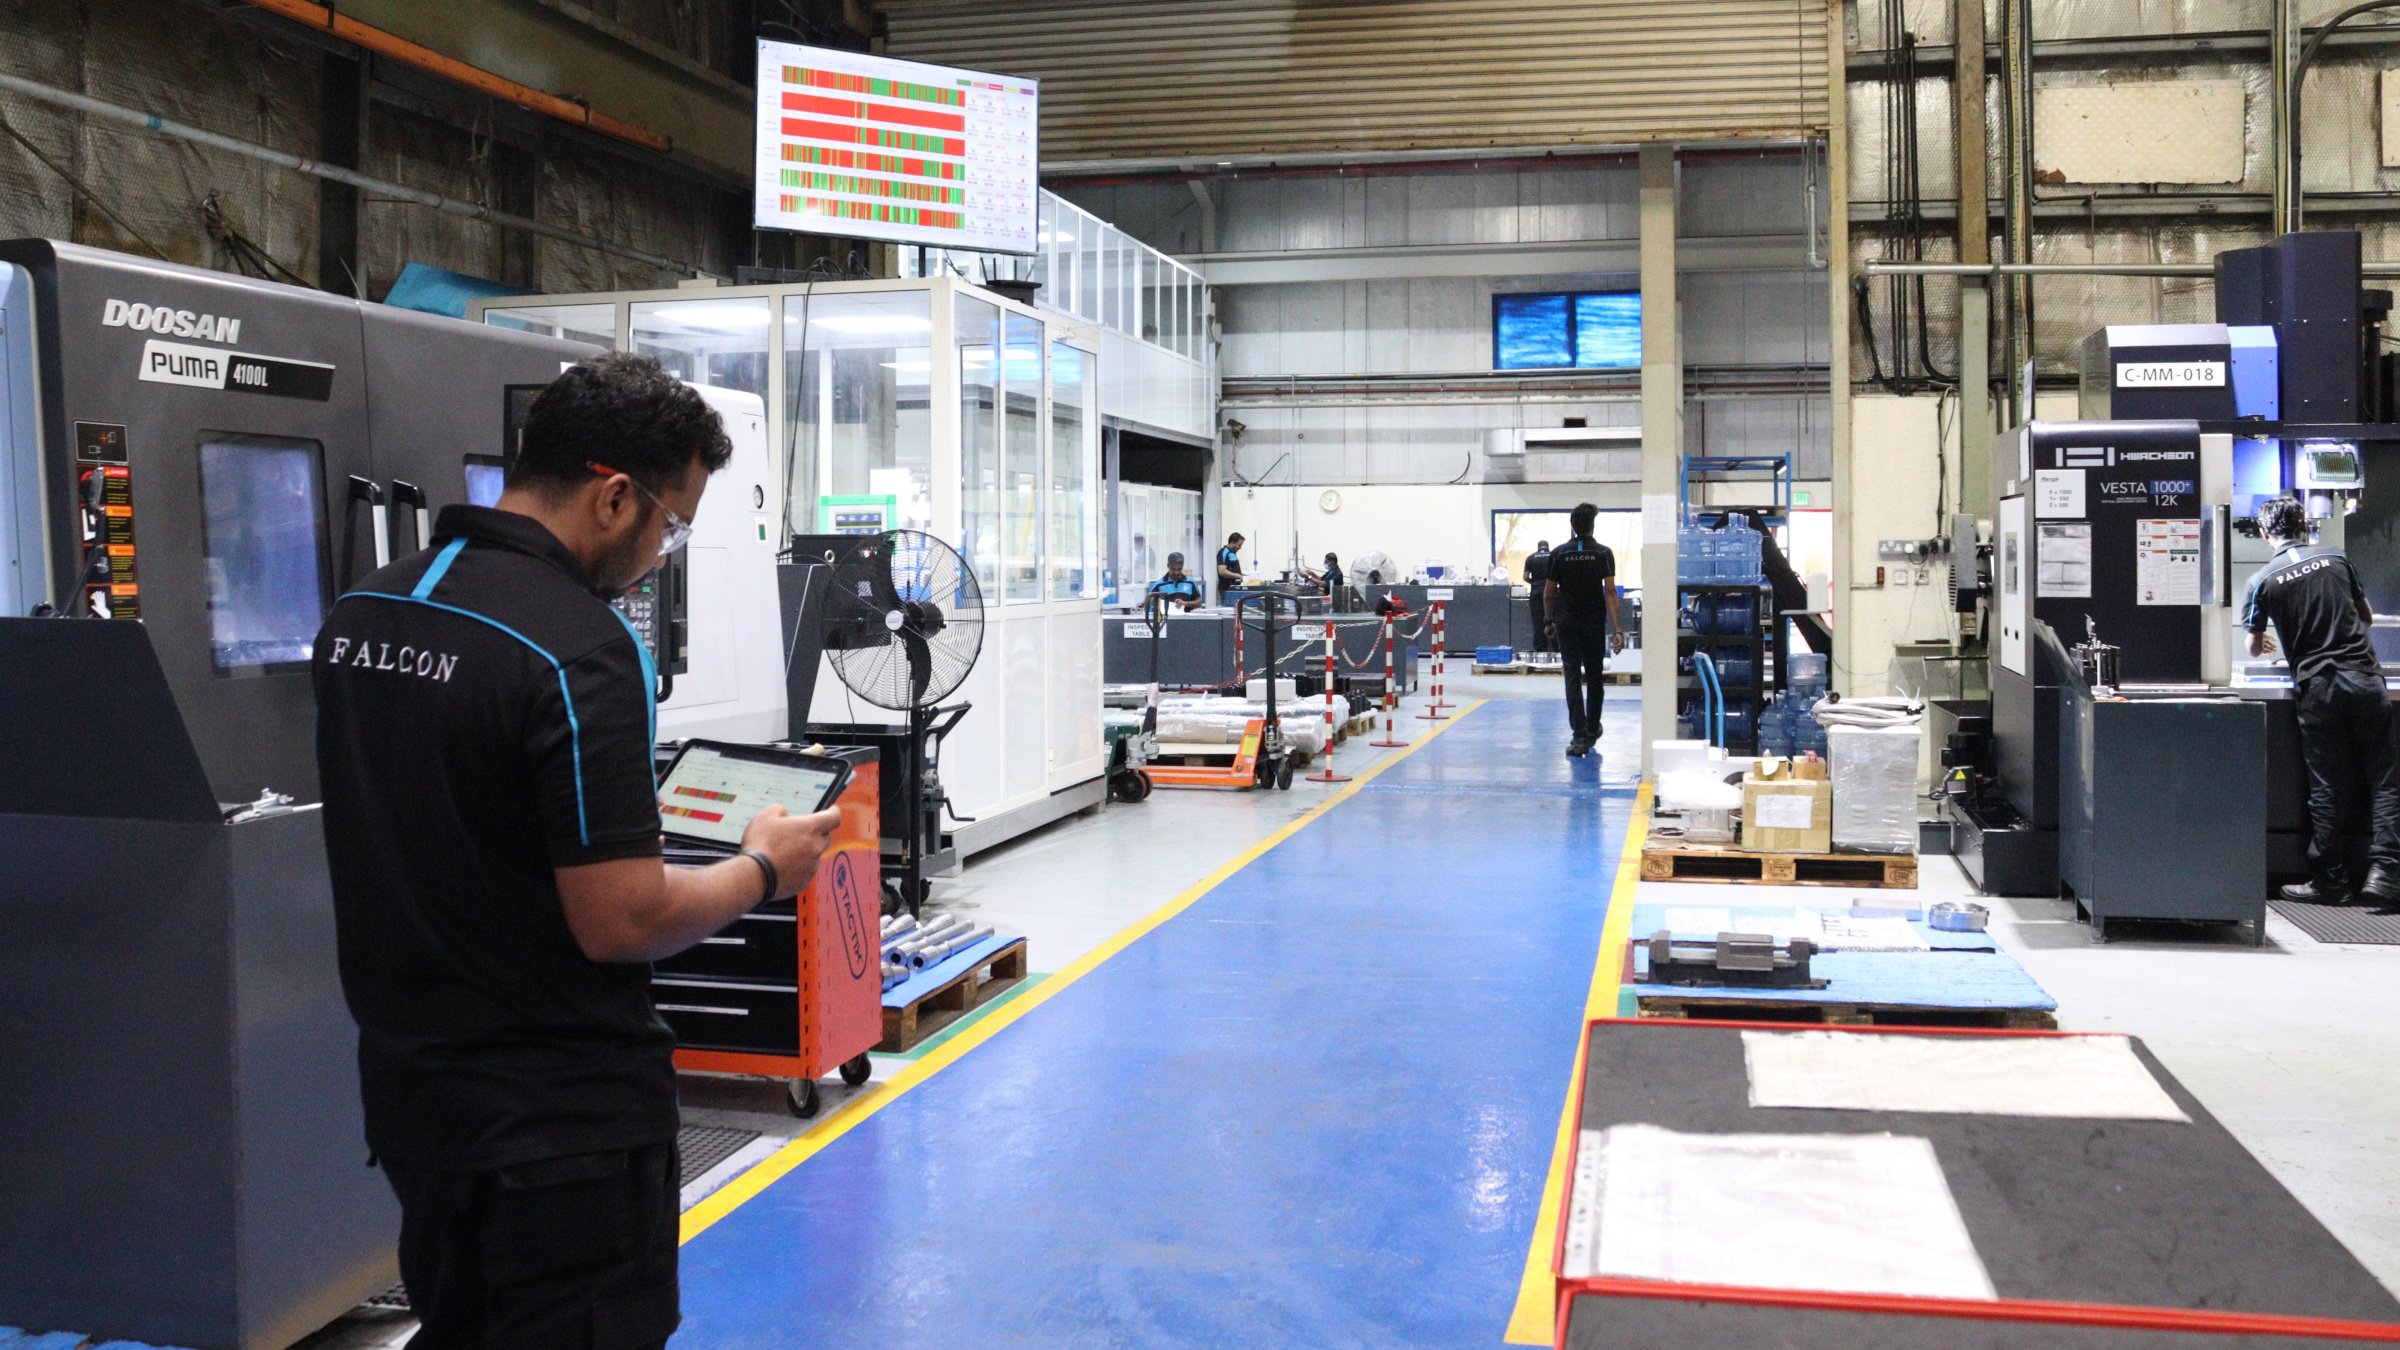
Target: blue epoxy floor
1314,1108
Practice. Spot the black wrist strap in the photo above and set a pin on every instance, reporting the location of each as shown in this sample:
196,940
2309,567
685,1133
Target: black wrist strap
766,865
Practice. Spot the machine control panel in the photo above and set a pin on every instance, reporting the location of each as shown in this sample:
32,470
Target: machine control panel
655,608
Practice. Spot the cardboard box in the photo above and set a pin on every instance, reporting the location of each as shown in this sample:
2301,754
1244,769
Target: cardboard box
1787,807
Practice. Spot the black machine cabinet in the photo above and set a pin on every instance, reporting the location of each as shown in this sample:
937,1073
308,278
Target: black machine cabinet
183,1160
222,457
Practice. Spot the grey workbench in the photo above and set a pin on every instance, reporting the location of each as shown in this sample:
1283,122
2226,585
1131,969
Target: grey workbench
1195,649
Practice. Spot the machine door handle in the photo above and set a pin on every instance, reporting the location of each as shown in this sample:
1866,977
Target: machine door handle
2224,558
367,492
405,493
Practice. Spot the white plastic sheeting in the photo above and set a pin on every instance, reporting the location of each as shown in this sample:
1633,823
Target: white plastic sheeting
1874,787
2077,1077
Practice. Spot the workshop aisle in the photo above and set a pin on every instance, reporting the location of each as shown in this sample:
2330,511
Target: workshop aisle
1316,1107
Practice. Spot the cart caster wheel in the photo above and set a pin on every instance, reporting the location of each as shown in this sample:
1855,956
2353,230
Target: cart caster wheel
1125,787
1283,777
1149,785
893,901
855,1071
804,1099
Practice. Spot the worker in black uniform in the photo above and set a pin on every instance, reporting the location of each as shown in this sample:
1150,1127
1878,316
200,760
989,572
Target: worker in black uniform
1229,569
485,722
1180,589
1580,598
2312,597
1537,577
1330,581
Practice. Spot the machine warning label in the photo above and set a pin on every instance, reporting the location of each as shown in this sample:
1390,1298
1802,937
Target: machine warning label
2167,562
104,500
240,372
100,442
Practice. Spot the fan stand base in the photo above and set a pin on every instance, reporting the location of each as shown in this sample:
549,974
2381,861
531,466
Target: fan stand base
1326,776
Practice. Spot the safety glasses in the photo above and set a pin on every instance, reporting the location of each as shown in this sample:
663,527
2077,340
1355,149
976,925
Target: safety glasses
678,531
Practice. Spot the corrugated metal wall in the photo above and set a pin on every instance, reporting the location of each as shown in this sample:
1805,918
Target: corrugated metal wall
1169,80
1426,328
176,58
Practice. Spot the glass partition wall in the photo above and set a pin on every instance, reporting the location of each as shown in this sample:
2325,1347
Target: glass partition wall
930,404
994,448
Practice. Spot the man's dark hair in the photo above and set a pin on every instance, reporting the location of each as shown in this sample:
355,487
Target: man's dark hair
1542,545
1174,560
1582,516
621,410
1234,538
2283,518
1332,561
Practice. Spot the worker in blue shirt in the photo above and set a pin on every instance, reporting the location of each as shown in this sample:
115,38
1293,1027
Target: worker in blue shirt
1179,589
1229,568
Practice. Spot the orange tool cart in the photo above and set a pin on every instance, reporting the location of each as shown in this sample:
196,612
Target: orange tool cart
793,990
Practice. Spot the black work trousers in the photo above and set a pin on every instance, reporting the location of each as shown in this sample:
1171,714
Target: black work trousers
1541,638
1583,658
575,1253
2346,739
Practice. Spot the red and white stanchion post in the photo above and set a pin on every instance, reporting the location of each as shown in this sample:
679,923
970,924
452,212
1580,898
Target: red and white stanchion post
1326,774
1391,739
1441,662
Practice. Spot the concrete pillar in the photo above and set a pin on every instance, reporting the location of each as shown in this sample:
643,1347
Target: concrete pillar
1837,279
1662,445
1974,246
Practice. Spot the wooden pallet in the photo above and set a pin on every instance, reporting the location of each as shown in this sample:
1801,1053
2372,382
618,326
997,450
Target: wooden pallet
1722,1006
1727,866
907,1026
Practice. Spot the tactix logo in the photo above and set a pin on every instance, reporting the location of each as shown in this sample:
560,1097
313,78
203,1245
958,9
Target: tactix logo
173,322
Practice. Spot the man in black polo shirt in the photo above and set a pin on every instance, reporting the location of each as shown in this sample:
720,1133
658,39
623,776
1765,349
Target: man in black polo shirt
1580,597
485,723
1178,588
2312,597
1537,578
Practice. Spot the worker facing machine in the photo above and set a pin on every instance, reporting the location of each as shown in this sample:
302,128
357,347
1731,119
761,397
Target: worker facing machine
2320,616
1177,587
1580,597
1229,567
491,815
1537,579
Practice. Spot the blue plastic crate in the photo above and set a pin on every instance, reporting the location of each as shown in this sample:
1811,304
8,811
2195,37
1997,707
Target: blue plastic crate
1495,656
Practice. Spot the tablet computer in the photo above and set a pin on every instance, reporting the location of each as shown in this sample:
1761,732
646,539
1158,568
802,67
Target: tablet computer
712,790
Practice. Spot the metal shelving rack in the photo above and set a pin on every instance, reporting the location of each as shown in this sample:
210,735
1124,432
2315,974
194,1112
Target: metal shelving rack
1765,641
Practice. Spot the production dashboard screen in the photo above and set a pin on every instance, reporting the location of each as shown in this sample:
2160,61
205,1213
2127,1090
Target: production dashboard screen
873,148
711,795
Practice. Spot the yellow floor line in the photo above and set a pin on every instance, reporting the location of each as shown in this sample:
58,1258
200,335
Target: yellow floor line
734,1194
1534,1321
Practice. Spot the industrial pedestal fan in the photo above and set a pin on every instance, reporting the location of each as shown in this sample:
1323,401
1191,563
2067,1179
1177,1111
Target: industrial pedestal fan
902,620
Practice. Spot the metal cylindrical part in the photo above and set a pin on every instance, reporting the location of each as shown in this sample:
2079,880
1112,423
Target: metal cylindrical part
940,951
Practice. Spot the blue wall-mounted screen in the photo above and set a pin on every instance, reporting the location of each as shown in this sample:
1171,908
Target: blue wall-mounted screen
1589,329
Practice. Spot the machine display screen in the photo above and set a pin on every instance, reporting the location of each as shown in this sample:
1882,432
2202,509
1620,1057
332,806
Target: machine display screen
264,548
711,795
484,481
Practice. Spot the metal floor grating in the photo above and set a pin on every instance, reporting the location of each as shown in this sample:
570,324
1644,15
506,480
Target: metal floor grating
2358,924
697,1147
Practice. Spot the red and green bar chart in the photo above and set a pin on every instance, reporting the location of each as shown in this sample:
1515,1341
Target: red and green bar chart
872,147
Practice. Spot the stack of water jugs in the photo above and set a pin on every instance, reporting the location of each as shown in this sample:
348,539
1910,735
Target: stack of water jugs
1785,726
1727,557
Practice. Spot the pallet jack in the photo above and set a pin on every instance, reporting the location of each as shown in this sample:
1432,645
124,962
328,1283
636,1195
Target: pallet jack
1264,757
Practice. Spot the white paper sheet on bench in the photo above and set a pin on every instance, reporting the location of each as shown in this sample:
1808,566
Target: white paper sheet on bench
1857,1213
2086,1077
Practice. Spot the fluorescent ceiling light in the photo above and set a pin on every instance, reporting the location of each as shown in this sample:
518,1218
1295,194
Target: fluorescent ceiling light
719,314
874,323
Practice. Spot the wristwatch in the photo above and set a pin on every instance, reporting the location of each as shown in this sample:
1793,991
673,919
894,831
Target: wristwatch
766,865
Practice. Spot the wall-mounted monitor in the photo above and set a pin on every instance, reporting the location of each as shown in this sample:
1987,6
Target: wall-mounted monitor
873,148
1591,330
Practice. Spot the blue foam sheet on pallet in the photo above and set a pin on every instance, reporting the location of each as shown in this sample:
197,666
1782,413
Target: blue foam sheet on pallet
1649,918
935,976
1962,980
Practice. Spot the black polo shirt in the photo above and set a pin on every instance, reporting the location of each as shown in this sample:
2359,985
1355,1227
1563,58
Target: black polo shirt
484,716
1584,570
1177,588
1537,567
2312,596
